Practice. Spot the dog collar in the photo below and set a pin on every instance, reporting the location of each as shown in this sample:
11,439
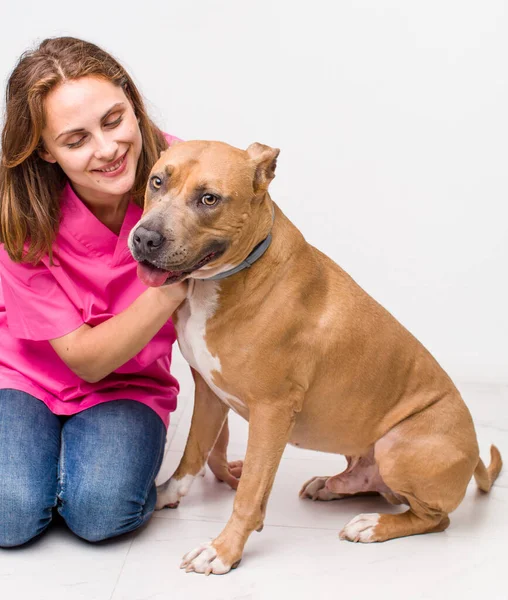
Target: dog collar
255,255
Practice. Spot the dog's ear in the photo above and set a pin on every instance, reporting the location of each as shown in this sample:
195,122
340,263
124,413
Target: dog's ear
265,160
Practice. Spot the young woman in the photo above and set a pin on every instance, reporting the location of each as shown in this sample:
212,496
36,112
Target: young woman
85,347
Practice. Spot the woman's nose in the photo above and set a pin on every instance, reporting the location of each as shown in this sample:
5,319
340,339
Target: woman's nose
106,149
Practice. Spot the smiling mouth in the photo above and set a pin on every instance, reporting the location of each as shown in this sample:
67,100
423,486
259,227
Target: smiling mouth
153,276
115,166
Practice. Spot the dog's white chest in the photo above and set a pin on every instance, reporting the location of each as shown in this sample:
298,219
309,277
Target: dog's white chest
191,328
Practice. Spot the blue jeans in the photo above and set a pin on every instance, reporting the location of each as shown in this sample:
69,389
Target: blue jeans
97,468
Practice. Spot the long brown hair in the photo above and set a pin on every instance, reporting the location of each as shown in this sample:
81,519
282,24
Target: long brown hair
30,187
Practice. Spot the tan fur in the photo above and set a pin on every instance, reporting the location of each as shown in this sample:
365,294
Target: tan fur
314,360
485,477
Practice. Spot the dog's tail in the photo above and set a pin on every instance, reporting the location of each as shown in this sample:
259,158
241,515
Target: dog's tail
485,476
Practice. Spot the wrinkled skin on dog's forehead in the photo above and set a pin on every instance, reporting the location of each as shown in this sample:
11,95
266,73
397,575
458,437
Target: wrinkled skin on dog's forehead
214,167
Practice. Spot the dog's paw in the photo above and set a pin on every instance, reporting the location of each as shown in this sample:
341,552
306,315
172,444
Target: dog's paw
315,489
170,493
204,559
361,528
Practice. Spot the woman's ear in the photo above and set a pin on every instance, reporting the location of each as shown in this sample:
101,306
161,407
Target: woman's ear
45,155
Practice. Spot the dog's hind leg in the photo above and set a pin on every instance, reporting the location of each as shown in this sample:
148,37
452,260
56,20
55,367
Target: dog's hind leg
360,478
420,461
428,512
316,489
375,527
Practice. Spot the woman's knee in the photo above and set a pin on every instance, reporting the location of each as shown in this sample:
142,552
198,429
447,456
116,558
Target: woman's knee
97,515
25,514
111,456
29,449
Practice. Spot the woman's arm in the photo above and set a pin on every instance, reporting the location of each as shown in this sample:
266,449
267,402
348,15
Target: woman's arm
94,352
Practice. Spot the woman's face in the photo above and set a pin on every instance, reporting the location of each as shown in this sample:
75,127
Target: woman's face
92,132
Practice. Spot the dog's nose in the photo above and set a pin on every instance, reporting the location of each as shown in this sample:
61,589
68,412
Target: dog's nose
146,240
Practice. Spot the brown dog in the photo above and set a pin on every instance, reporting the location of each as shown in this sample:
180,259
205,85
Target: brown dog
295,346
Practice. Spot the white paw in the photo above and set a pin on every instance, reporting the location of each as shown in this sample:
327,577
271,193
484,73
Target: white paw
169,494
316,489
204,560
361,528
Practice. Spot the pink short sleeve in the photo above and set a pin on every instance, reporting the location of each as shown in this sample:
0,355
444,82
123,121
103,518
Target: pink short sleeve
171,138
37,307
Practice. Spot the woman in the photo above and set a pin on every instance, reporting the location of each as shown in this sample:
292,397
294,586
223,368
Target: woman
85,385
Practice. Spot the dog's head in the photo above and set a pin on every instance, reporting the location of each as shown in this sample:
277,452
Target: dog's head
205,210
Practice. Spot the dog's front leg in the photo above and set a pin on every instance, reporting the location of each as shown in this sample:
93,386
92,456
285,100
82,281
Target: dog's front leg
269,431
208,418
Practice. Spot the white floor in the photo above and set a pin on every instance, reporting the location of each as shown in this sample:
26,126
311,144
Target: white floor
298,554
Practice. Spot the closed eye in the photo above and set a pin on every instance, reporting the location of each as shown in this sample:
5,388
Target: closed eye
78,143
115,123
109,125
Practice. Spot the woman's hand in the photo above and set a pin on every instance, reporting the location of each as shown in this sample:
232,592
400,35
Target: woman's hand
176,292
228,472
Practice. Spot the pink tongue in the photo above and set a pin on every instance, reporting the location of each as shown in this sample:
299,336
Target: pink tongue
152,277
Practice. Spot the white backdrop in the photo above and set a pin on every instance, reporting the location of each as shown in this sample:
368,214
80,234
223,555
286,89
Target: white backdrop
391,116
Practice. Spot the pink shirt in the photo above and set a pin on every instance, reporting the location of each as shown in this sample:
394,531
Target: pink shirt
93,278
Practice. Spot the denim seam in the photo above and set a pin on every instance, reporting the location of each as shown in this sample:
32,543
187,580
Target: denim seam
61,471
153,475
156,467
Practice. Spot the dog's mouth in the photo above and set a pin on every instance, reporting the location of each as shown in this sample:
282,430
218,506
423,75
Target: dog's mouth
153,276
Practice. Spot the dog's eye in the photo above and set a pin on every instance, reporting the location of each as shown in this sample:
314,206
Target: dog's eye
156,182
209,199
